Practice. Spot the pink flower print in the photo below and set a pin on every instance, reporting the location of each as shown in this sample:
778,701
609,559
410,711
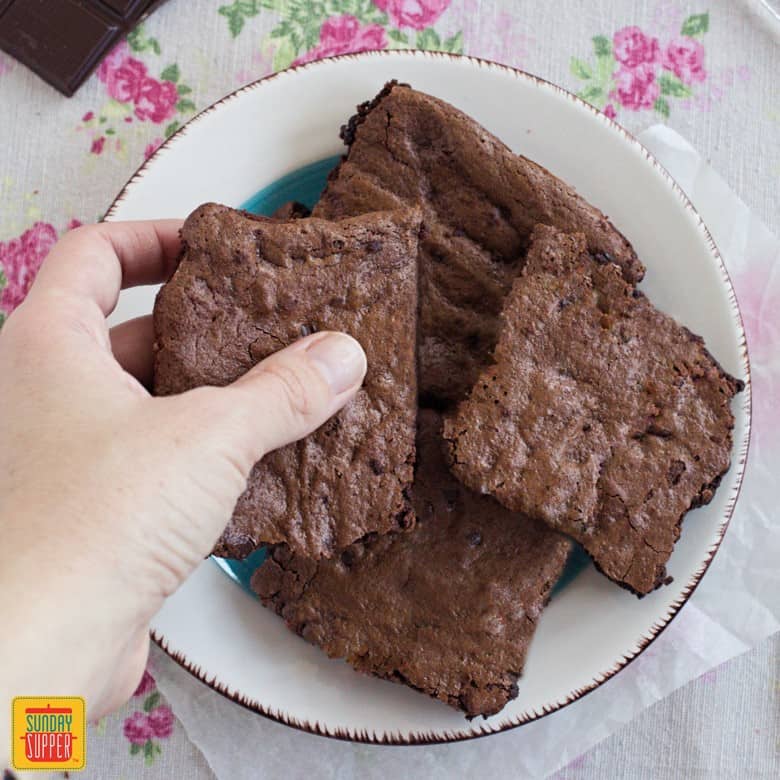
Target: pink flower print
152,147
20,260
417,14
137,728
609,111
161,721
113,60
74,223
632,47
88,116
684,56
345,35
147,684
125,82
98,144
636,88
156,100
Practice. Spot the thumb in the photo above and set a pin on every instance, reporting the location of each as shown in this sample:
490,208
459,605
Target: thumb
211,437
291,393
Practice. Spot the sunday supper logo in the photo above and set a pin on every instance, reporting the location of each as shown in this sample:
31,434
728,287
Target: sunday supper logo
48,733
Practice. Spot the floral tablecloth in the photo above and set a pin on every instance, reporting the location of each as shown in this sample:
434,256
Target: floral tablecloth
708,68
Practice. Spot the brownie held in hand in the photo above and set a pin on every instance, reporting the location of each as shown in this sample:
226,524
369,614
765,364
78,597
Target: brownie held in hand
600,415
449,608
480,202
246,287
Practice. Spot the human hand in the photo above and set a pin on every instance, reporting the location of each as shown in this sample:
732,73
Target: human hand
109,498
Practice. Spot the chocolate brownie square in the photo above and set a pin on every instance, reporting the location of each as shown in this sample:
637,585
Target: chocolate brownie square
246,287
600,415
480,202
448,609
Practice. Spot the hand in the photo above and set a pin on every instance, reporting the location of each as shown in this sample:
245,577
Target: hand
109,498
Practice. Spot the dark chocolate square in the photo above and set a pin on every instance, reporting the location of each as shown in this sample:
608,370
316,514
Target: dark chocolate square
125,8
61,41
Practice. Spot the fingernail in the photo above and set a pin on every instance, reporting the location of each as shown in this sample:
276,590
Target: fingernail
340,359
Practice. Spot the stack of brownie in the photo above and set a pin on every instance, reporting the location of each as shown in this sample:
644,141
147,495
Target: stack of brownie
522,395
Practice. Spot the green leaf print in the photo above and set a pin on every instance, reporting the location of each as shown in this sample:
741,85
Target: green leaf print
605,67
113,109
580,69
238,13
602,46
149,752
284,55
697,24
592,94
138,41
662,107
397,36
151,701
171,73
185,105
672,86
428,40
454,44
171,129
135,749
183,90
598,73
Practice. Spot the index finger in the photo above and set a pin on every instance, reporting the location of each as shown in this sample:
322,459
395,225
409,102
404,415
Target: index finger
95,262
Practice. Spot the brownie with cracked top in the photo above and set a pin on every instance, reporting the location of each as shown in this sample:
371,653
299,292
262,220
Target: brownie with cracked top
448,609
600,415
247,286
480,202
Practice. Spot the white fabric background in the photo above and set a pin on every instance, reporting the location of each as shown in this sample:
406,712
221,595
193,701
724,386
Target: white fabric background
725,724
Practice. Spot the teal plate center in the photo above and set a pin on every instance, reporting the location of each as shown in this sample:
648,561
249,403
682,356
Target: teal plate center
305,185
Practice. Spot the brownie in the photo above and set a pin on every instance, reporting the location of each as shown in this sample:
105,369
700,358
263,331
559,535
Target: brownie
247,286
293,209
600,415
480,202
448,609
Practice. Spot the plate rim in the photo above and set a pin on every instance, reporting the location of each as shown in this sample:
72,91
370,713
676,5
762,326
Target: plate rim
739,463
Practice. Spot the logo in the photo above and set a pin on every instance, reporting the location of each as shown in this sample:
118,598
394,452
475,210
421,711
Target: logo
48,733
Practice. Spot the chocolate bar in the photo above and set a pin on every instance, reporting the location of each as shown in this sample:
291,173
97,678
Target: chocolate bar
63,41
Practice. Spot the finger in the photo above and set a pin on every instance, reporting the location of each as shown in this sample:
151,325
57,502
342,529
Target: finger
288,395
132,345
96,261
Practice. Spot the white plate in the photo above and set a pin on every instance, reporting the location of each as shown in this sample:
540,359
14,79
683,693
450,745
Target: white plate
593,628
